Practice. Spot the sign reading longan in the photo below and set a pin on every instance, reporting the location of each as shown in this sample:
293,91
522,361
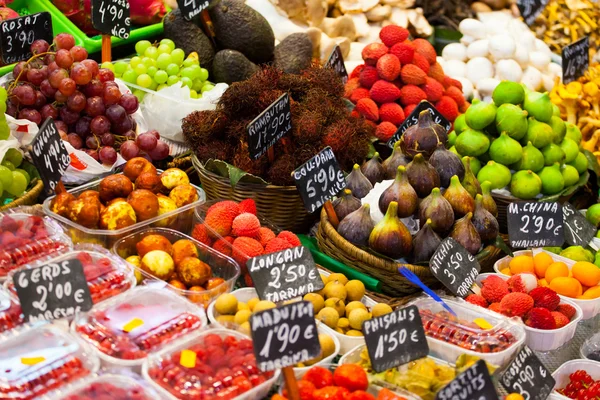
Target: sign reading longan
285,275
285,336
535,224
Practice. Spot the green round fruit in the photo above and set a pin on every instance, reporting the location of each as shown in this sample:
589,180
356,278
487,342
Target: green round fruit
451,138
580,163
24,173
8,165
472,143
532,159
553,153
505,150
525,185
18,185
498,175
593,214
508,92
14,156
552,179
460,124
573,132
5,176
570,175
480,114
570,148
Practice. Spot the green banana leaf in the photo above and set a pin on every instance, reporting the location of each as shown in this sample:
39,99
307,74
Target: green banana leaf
234,174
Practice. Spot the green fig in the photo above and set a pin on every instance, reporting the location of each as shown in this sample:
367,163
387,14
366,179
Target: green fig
573,132
532,159
474,163
593,214
470,182
488,201
497,174
555,110
512,120
505,150
460,124
508,92
570,175
553,153
525,185
472,143
559,129
480,114
538,133
570,148
390,236
580,163
538,105
459,198
552,179
452,138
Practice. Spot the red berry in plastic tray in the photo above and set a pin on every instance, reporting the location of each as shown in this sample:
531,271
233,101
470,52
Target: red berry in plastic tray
444,326
224,368
108,391
104,279
160,324
11,314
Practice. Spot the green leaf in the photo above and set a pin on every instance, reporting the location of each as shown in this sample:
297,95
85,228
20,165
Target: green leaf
218,167
502,246
234,174
593,164
349,105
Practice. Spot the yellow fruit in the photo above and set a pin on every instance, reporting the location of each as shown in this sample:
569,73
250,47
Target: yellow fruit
355,290
357,317
353,332
340,330
242,306
514,396
335,289
353,305
341,278
521,264
336,304
324,278
245,328
252,303
135,260
343,323
380,309
505,271
586,273
226,304
541,262
317,301
329,316
327,345
263,305
242,316
226,319
542,282
556,270
566,286
591,293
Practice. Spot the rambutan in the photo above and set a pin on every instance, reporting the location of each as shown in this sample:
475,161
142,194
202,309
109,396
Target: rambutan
392,34
219,218
516,304
436,72
477,300
456,94
425,48
391,112
276,245
567,309
356,71
545,297
265,235
245,224
245,248
368,76
388,67
433,89
360,93
384,92
290,237
368,108
385,130
448,108
560,319
404,51
223,245
280,172
421,62
412,75
200,233
338,135
411,94
523,283
494,290
247,206
372,52
540,318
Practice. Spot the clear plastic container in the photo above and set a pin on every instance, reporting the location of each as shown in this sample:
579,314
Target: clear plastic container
107,275
590,349
221,266
38,359
126,329
449,337
27,235
111,386
179,219
224,366
11,314
561,375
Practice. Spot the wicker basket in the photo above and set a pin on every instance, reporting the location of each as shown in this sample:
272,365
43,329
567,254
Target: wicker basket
28,199
392,282
281,205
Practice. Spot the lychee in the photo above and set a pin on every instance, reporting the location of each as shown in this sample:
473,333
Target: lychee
404,51
276,245
368,76
289,237
392,34
425,48
368,108
540,318
494,290
357,94
436,72
433,89
385,130
560,319
388,67
477,300
516,304
391,112
245,224
421,62
412,75
247,206
384,92
265,235
448,108
372,52
567,309
545,297
523,283
411,94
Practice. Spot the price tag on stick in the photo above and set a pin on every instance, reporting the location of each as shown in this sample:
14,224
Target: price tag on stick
395,338
49,155
535,224
319,179
285,275
191,8
530,9
53,291
575,59
18,34
285,336
413,119
578,230
270,126
454,266
111,17
527,376
473,384
336,61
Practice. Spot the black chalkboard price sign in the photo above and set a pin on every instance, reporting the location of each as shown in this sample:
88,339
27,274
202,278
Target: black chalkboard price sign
413,119
270,126
53,291
535,224
336,61
284,336
49,155
111,17
454,266
578,230
18,34
473,384
575,59
319,179
527,376
191,8
530,9
285,275
395,339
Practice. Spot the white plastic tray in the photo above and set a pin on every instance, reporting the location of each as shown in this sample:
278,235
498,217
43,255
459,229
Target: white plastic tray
561,375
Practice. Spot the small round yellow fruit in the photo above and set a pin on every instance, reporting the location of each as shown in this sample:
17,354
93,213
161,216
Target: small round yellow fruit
242,316
353,305
341,278
335,289
252,303
226,304
337,304
327,345
242,306
357,317
226,319
245,328
353,332
343,323
329,316
355,289
317,301
263,305
380,309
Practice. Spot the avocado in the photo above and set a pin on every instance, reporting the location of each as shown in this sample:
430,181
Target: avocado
239,27
189,37
294,53
232,66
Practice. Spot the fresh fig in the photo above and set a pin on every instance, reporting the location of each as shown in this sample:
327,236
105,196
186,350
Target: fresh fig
391,164
505,150
460,124
570,148
480,114
512,120
484,222
358,183
538,133
474,164
426,243
525,184
356,227
488,201
554,153
447,164
458,197
373,169
498,175
472,143
345,204
465,233
532,159
470,182
538,105
508,92
422,176
390,237
402,193
424,137
438,210
552,179
573,132
559,129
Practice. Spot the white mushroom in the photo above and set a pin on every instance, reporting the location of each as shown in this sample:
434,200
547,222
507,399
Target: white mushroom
542,47
340,26
466,40
479,48
521,55
554,70
455,51
361,24
419,22
455,68
532,78
508,70
472,27
315,34
479,68
467,87
547,82
379,13
539,60
355,53
327,45
356,6
486,86
502,46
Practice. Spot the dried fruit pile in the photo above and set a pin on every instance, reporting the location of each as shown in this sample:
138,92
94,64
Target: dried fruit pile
319,119
581,386
396,76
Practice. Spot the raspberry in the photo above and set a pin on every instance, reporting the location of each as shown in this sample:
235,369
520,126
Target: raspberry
384,92
372,52
391,112
368,76
385,131
368,108
388,67
392,34
404,51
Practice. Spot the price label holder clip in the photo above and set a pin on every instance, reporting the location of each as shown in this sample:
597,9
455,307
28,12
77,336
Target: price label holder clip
413,119
283,337
112,18
455,267
578,230
474,383
535,224
527,376
19,33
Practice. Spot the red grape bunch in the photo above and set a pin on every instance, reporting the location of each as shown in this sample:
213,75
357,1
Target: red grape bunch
90,111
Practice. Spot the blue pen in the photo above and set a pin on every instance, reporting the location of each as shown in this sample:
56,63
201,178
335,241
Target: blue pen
412,278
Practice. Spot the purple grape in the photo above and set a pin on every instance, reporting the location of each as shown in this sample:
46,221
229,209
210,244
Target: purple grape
49,59
160,152
130,135
31,114
154,133
94,88
76,102
75,140
93,154
123,127
116,114
107,155
94,106
146,141
60,98
12,110
129,102
49,111
61,126
108,139
47,89
39,46
82,126
35,76
92,142
129,150
68,116
25,95
40,99
19,67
